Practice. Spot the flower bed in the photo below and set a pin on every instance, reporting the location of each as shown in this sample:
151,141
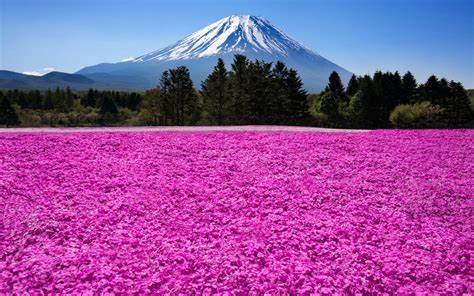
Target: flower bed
241,212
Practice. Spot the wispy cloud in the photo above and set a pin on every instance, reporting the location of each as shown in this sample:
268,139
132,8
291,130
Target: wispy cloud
48,69
32,73
128,59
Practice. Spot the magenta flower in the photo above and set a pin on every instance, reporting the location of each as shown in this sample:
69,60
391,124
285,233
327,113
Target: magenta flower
237,212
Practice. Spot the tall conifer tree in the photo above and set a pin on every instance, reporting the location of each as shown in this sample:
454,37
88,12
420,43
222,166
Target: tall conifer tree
216,95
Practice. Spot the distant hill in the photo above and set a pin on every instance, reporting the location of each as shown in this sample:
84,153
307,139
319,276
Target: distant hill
12,80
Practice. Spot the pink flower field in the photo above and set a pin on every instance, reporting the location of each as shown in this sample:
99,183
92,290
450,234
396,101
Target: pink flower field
237,212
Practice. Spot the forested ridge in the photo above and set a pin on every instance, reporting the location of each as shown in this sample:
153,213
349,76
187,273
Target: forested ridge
251,92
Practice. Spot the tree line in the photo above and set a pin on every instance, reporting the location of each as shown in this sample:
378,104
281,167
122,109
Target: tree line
62,107
250,92
387,99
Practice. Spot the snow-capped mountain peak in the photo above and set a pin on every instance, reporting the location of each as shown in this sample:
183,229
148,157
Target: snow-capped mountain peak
233,34
252,36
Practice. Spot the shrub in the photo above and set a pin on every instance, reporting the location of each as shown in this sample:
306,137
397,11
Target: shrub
418,115
29,118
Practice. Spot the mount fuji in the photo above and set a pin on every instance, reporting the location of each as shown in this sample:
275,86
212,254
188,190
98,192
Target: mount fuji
252,36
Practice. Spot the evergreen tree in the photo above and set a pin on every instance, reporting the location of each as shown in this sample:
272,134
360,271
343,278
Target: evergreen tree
333,98
409,86
48,100
387,87
108,110
216,95
297,99
65,100
8,114
35,99
239,88
278,106
167,102
90,99
58,98
444,92
133,100
396,89
388,92
184,96
352,86
362,106
458,112
14,96
335,85
431,91
22,100
259,93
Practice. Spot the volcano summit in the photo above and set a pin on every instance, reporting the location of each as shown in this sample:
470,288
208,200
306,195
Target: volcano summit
252,36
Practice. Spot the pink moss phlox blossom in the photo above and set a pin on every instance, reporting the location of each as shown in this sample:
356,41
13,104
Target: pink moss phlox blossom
239,212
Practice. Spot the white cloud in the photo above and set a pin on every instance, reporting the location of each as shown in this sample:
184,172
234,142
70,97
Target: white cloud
128,59
48,69
32,73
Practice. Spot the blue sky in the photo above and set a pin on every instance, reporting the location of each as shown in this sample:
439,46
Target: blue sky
424,36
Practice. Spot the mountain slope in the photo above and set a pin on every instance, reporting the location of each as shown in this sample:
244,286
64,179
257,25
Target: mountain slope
252,36
67,78
234,34
12,80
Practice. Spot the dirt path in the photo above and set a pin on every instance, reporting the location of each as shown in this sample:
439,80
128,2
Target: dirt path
259,128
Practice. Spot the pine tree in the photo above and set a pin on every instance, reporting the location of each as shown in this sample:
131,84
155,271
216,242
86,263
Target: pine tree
48,100
36,100
297,99
108,110
409,86
352,86
66,101
216,95
278,106
388,92
167,102
333,98
90,99
133,101
363,105
396,89
335,85
22,100
458,112
8,114
185,98
444,92
259,93
431,91
239,88
58,98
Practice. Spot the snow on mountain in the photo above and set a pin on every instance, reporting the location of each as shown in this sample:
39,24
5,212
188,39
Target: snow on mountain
252,36
237,34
